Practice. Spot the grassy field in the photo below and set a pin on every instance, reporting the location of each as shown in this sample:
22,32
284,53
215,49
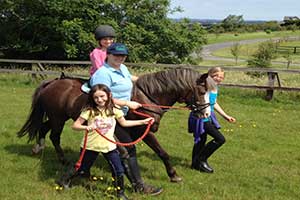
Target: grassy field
260,159
248,49
226,37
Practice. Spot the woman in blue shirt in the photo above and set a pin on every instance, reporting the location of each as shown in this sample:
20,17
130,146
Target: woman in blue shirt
116,76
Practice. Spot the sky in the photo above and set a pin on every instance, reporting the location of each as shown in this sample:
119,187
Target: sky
250,9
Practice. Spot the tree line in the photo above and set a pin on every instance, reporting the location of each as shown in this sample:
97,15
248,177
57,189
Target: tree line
63,29
236,24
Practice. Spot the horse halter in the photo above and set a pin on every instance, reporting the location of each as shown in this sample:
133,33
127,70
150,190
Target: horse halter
195,106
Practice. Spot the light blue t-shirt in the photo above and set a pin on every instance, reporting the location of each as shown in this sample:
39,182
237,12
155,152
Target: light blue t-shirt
119,81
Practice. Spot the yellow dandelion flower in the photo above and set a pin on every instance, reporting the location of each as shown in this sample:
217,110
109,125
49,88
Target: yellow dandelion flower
109,188
254,125
240,126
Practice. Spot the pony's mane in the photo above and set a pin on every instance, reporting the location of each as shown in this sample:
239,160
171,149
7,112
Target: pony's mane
173,80
63,76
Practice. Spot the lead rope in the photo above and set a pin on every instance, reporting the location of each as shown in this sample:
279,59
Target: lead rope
78,163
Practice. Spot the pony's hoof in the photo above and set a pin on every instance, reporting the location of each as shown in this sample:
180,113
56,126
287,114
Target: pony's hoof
37,148
175,179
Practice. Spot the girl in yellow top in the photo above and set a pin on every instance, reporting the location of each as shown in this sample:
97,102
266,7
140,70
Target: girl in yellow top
102,114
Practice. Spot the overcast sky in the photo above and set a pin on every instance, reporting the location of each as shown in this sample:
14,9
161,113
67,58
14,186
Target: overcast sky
250,9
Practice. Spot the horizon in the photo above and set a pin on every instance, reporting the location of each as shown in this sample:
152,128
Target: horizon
262,10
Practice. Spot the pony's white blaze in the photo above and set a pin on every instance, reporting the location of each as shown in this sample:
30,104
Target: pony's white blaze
207,109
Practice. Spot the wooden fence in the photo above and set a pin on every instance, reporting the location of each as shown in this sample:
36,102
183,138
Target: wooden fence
288,49
38,69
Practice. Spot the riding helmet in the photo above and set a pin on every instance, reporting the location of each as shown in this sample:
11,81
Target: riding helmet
104,31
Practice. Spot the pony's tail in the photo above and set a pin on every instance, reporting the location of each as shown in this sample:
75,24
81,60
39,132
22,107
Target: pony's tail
36,117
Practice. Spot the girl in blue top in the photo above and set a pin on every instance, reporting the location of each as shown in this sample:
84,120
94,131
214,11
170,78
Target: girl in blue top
201,150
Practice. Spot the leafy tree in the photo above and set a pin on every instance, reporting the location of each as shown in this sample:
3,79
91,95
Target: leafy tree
232,23
61,29
262,57
235,51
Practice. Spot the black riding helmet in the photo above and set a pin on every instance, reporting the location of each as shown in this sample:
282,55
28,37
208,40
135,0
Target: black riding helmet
104,31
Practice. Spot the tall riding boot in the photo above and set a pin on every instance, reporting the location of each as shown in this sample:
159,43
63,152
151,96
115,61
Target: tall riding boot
119,184
133,171
208,150
197,148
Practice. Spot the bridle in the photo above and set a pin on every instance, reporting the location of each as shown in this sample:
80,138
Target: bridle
194,106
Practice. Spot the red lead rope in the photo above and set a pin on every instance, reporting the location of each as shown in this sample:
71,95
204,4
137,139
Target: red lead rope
169,107
78,163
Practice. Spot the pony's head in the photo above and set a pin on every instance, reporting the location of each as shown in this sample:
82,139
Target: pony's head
199,103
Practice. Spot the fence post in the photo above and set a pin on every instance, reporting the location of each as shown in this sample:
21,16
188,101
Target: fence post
271,80
38,67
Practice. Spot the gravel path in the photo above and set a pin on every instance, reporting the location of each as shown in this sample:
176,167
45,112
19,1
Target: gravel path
207,50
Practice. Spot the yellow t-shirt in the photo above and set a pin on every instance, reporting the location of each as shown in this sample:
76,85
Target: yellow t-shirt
106,125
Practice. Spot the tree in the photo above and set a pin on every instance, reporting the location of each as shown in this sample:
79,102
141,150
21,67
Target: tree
235,51
232,23
56,29
262,57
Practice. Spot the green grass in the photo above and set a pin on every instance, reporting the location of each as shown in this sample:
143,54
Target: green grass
226,37
260,159
249,49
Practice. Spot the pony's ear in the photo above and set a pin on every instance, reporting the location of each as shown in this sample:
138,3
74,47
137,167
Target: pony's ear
202,79
210,84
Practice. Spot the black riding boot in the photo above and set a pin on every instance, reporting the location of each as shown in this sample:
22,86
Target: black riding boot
132,171
208,150
119,184
197,148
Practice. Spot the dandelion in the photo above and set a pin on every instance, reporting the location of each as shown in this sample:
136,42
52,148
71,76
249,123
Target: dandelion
254,125
109,188
240,126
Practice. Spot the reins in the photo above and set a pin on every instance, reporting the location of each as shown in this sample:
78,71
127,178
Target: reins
78,163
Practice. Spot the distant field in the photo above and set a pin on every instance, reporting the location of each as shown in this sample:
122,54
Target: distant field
260,159
249,49
226,37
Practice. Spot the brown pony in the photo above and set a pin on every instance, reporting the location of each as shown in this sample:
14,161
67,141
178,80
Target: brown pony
56,101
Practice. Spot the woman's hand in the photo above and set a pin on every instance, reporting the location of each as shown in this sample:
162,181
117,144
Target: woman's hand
133,105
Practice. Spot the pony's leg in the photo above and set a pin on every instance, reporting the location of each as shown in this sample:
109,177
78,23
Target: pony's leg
41,138
55,139
153,143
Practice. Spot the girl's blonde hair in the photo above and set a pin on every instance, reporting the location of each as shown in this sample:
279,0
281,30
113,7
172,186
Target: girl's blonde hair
214,70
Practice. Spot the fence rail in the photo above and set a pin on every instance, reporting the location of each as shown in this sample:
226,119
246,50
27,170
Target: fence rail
288,49
39,69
